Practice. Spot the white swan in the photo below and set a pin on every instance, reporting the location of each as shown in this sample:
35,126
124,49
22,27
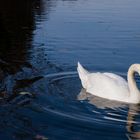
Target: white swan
110,85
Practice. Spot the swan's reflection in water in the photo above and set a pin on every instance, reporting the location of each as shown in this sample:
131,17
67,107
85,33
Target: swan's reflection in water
133,116
133,122
99,102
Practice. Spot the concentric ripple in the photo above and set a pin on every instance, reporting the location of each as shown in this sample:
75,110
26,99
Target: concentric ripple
75,114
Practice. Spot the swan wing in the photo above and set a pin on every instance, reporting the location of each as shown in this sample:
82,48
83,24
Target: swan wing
116,77
108,85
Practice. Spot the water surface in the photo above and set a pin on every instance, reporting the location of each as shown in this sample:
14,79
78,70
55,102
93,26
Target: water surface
41,42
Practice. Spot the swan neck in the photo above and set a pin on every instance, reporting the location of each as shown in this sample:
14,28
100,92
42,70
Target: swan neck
134,91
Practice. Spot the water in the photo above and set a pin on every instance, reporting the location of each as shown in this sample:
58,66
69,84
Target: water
40,44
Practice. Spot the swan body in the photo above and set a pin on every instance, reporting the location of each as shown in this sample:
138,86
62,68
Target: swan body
110,85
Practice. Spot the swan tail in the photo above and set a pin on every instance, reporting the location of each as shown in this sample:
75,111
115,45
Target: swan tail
83,74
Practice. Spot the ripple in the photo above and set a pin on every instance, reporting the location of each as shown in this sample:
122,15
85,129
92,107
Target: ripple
64,110
70,107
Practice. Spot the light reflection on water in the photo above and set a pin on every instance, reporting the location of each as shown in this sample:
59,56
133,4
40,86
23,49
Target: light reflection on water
41,42
94,29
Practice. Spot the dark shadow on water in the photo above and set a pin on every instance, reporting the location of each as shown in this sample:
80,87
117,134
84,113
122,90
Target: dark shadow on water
16,26
17,23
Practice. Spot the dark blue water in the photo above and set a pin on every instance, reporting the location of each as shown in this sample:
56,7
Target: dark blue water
40,44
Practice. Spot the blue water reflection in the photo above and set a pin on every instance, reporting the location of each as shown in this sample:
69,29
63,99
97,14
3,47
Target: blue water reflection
41,42
89,31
